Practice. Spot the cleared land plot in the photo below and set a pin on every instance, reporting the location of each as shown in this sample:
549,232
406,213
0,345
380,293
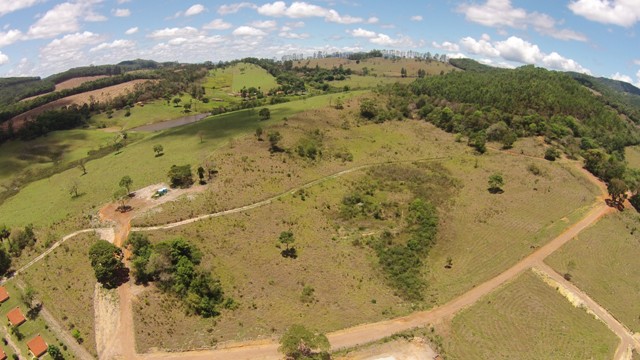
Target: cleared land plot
70,84
632,154
527,319
241,250
63,275
381,67
46,201
79,99
602,262
30,328
485,234
248,75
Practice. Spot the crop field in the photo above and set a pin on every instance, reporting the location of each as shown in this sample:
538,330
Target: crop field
66,273
247,75
601,262
46,201
85,97
632,153
527,319
30,328
381,67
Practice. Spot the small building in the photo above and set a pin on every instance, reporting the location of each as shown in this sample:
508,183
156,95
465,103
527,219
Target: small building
15,317
4,295
3,356
37,346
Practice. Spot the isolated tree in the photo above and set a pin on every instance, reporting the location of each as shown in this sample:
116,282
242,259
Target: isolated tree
28,296
265,114
74,188
300,343
82,166
201,174
122,197
158,149
201,136
551,154
5,261
106,260
286,238
55,352
176,101
403,72
368,109
180,176
4,232
496,182
422,73
187,107
126,183
274,139
617,189
259,133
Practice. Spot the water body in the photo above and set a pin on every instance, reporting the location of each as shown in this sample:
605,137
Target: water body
171,123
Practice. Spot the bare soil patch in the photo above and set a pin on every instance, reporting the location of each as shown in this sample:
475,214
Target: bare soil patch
414,349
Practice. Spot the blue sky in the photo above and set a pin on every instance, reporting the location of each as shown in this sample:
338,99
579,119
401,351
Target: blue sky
599,37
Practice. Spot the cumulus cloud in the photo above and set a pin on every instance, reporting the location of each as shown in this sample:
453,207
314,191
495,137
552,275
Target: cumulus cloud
122,12
617,12
518,50
234,8
416,18
7,7
116,44
627,78
131,31
268,25
217,24
10,37
381,39
446,45
248,31
292,35
174,32
373,20
500,13
62,53
63,18
3,58
194,10
301,9
636,61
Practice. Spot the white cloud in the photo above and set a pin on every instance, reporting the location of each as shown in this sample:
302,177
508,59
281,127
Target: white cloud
131,31
292,35
234,8
194,10
266,25
10,37
622,77
500,13
174,32
416,18
116,44
521,51
63,18
373,20
62,53
217,24
448,46
122,12
3,58
10,6
301,9
636,61
248,31
617,12
123,1
381,39
297,24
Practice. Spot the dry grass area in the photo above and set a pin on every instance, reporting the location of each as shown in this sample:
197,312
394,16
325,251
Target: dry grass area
241,250
79,99
602,262
381,67
75,82
526,319
632,154
248,172
64,282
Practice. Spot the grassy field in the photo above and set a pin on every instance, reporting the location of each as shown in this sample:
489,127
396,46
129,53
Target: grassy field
600,261
247,75
46,201
632,154
367,82
526,319
31,328
66,273
381,67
